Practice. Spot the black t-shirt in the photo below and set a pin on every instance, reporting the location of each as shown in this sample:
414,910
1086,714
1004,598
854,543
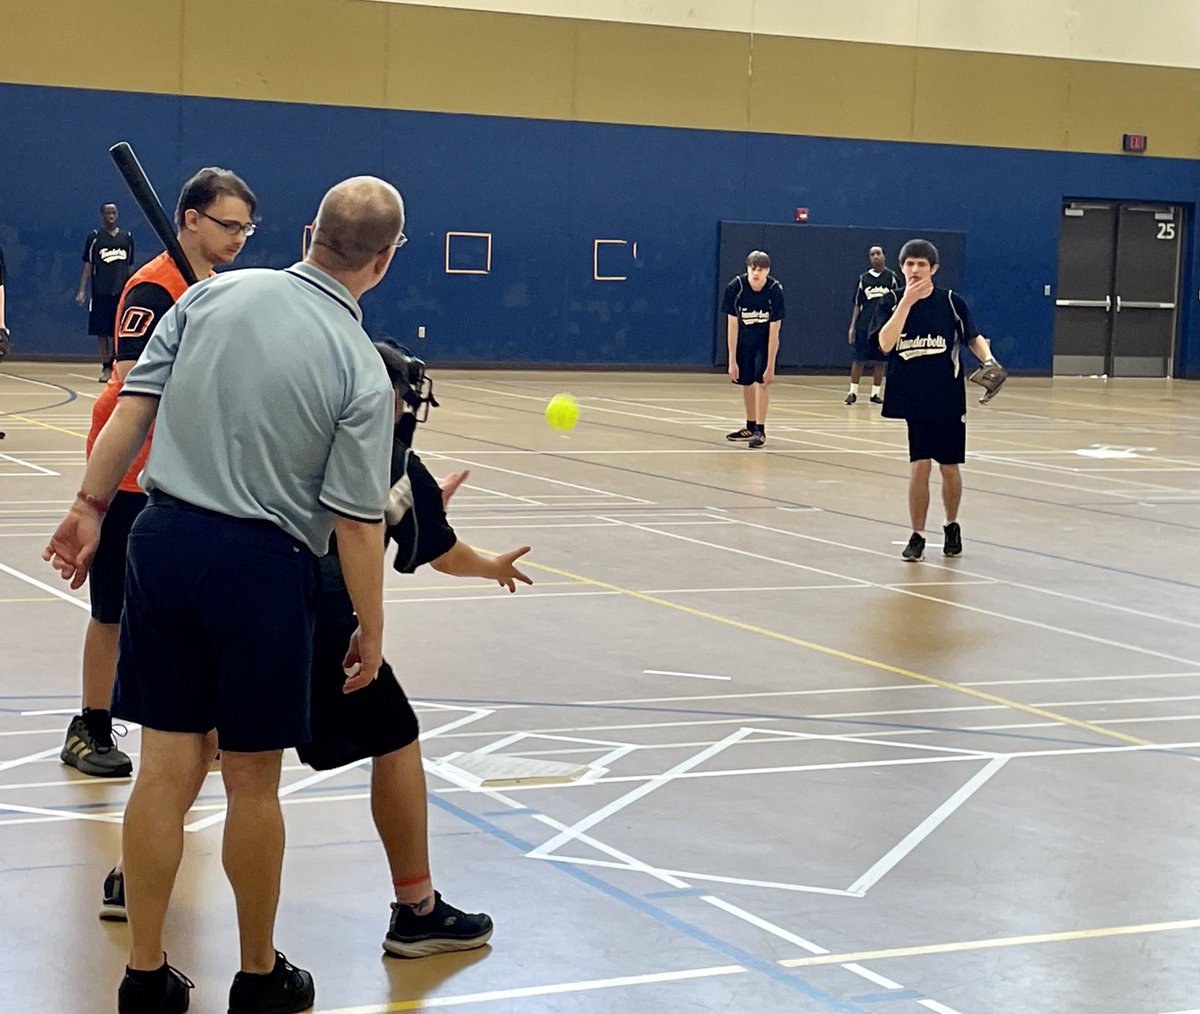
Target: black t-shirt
871,289
2,274
925,375
141,310
111,258
754,310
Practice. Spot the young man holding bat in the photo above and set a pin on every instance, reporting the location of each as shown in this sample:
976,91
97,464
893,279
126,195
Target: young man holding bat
214,217
924,336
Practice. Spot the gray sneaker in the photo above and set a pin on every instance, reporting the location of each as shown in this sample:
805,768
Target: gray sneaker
89,746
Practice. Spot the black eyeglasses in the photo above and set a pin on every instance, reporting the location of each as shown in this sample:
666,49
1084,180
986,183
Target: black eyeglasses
233,228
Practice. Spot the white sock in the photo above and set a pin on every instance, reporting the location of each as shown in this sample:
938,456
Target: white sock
875,389
853,387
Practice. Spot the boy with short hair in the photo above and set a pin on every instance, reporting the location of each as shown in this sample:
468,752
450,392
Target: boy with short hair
753,305
924,335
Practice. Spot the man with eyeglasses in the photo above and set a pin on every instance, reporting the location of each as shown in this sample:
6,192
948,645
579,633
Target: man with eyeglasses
214,215
272,415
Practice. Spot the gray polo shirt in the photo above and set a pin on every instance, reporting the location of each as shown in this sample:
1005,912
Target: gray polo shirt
275,405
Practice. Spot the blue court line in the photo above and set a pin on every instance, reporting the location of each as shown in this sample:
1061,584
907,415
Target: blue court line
895,994
522,811
731,951
679,892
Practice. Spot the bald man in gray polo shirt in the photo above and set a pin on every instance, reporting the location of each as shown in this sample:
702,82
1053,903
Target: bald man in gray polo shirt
272,416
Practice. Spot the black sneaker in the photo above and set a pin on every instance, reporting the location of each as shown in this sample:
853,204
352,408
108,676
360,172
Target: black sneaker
285,989
758,439
742,434
446,928
112,908
850,399
164,991
952,544
876,400
914,552
89,746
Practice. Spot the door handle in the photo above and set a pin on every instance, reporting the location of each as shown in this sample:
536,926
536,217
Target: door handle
1118,304
1108,304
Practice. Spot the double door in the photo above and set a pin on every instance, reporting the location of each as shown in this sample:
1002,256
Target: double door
1118,278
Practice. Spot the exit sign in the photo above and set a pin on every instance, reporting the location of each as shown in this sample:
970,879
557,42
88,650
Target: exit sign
1133,142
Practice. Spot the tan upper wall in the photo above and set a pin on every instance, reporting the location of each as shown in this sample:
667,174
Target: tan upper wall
420,56
1163,33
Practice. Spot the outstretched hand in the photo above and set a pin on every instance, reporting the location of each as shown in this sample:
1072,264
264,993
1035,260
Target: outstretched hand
507,574
449,484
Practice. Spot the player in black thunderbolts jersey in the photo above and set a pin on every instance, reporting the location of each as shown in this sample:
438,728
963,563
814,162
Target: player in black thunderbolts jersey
873,284
107,263
923,330
753,306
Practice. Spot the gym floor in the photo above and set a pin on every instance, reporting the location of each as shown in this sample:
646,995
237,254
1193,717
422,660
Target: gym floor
817,778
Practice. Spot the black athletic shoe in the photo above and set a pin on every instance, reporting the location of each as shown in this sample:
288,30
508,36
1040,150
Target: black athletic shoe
285,989
742,434
446,928
112,908
164,991
876,400
89,746
952,544
850,399
758,439
105,373
914,552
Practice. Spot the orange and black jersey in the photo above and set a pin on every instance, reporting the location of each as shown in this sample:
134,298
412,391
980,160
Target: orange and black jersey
147,296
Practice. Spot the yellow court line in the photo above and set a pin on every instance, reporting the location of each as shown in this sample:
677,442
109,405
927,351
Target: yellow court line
49,426
872,663
44,598
979,945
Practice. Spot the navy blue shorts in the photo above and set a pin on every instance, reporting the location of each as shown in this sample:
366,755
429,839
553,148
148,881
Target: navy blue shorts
106,576
866,345
751,358
345,728
943,440
217,629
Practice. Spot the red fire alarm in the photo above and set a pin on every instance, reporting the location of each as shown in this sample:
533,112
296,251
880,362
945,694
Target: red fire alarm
802,214
1133,142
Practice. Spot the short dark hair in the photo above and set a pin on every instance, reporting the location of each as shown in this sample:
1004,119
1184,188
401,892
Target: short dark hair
206,186
108,204
758,259
875,246
918,249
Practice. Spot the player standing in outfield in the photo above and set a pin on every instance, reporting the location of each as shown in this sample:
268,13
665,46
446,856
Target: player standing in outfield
107,262
876,282
214,215
4,341
924,330
753,306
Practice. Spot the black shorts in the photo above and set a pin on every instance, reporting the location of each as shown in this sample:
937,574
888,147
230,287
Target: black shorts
102,316
751,362
106,578
943,440
424,533
217,629
866,348
345,728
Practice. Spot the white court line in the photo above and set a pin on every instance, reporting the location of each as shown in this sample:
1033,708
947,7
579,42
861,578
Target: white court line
56,592
546,990
958,570
693,675
762,924
50,711
27,464
875,977
543,478
923,830
8,765
937,1008
642,790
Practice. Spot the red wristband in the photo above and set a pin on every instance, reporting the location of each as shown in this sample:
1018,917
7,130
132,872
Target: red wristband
98,505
